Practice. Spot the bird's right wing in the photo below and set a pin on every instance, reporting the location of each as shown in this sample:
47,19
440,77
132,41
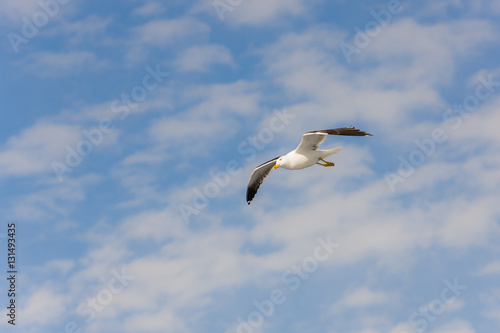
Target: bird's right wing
258,176
351,131
312,140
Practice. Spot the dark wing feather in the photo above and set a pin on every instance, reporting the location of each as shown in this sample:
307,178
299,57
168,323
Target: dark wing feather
257,178
352,131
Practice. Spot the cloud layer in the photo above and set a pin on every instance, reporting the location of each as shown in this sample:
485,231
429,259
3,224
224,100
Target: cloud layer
150,231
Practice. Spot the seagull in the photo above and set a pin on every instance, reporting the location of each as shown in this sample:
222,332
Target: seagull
305,155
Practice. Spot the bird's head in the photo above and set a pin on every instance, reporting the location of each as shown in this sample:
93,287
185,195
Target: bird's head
279,162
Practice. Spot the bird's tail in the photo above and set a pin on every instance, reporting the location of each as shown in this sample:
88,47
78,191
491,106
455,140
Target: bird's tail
331,151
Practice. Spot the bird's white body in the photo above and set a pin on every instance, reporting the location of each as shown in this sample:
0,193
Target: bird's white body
295,160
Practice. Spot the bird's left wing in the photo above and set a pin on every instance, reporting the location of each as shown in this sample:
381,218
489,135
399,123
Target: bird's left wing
312,140
258,176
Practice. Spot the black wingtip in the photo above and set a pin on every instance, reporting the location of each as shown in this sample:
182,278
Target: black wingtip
348,131
250,196
366,133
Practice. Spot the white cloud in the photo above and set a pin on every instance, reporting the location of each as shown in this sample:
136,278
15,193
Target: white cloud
175,130
184,263
140,173
306,67
161,33
180,275
495,6
43,306
210,119
450,306
467,8
442,7
364,233
88,30
262,11
51,64
237,329
310,66
144,157
434,50
403,328
117,110
469,222
35,148
157,225
148,9
200,58
158,321
16,9
491,304
62,266
255,12
456,326
50,198
485,117
239,98
359,298
455,306
491,268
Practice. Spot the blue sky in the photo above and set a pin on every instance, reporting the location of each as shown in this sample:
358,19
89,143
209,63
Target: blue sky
129,130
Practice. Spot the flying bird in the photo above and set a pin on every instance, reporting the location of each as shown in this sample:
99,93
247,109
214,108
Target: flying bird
305,155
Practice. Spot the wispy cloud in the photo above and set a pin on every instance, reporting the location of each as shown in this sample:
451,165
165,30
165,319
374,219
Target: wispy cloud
490,269
162,33
36,307
52,64
200,58
149,8
253,12
359,298
33,150
15,9
456,326
91,29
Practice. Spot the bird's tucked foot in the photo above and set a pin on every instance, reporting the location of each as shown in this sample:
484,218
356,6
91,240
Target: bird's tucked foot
327,164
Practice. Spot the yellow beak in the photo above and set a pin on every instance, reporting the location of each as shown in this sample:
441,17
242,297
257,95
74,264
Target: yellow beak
276,166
